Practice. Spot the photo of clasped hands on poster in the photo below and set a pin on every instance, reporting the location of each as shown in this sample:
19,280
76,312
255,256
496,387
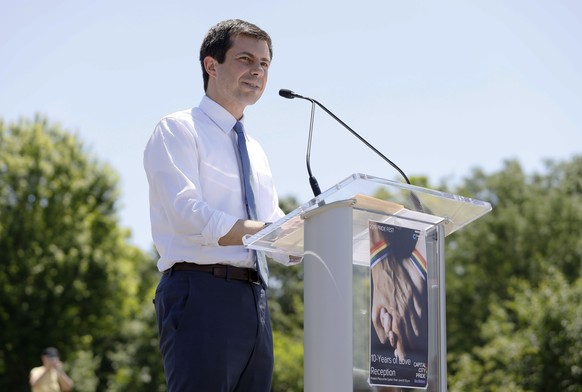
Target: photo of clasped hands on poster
399,306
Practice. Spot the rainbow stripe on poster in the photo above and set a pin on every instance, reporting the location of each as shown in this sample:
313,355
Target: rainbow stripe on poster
419,263
379,250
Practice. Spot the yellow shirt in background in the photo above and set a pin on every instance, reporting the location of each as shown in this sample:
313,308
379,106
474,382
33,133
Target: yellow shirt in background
49,384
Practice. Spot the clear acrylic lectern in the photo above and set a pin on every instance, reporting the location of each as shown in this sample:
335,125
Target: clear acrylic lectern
332,232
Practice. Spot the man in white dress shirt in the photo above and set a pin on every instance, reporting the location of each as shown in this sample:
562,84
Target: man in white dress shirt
211,304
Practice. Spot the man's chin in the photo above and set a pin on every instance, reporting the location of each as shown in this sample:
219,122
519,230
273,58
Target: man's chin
252,97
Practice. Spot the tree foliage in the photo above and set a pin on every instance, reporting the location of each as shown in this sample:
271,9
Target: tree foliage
68,277
532,341
500,274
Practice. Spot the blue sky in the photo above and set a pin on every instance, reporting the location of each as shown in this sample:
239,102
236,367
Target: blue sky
438,87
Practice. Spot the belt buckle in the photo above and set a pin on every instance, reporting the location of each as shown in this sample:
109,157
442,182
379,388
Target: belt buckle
216,272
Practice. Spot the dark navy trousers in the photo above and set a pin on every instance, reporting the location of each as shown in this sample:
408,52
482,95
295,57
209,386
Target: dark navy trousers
215,333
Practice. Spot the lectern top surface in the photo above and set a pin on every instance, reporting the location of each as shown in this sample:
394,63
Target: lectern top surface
376,197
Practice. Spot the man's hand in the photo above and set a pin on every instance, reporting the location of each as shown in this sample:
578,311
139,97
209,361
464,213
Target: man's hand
239,230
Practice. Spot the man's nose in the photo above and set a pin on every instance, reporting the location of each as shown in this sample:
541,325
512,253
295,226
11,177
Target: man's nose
257,70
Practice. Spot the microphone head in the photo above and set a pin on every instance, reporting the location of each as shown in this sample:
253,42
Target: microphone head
287,93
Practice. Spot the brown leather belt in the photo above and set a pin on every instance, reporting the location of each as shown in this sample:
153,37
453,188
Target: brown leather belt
219,271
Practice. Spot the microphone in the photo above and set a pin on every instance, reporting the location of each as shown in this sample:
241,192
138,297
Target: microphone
285,93
288,94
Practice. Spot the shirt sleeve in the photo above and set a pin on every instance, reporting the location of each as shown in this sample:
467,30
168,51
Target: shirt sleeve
171,162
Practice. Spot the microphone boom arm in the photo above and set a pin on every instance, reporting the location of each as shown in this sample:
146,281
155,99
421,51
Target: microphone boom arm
361,139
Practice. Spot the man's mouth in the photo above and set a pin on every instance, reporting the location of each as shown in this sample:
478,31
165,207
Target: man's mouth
252,85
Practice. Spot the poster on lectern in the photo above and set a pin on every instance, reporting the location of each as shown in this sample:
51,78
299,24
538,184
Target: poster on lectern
399,306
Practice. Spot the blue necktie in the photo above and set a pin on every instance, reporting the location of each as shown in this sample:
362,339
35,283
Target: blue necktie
260,259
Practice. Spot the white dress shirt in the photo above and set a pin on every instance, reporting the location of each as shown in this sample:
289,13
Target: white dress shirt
195,189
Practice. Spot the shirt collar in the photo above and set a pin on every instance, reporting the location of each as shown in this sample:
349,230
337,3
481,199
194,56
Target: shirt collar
219,115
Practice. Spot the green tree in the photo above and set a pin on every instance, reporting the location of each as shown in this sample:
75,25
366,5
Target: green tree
68,276
533,341
536,224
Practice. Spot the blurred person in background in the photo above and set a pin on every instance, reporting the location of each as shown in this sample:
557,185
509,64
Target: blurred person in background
50,377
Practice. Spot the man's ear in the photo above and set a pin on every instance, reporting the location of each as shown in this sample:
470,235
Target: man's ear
210,65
